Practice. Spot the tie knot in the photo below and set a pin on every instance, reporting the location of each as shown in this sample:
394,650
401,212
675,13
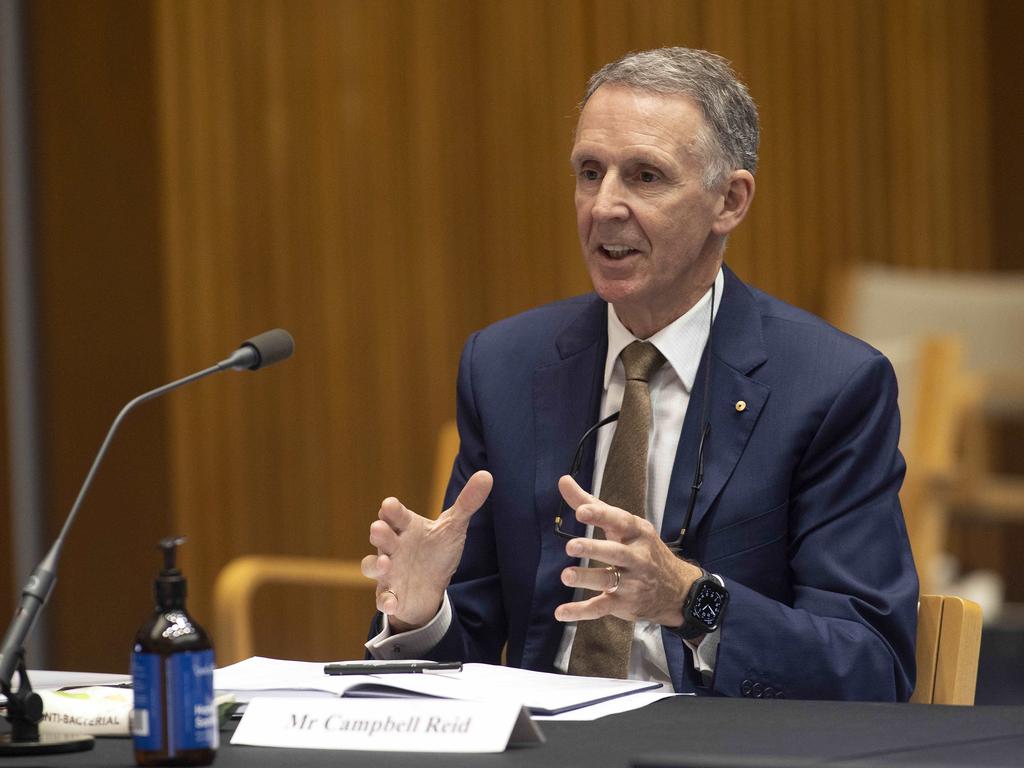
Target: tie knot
641,359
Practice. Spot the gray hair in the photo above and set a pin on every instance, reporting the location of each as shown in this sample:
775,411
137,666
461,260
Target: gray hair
729,112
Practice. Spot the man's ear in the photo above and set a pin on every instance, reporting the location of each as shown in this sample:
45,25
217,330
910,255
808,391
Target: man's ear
737,194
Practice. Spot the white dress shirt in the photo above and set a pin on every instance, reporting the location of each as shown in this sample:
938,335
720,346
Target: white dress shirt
682,344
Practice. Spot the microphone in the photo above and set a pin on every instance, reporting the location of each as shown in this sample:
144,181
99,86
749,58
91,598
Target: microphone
260,351
24,708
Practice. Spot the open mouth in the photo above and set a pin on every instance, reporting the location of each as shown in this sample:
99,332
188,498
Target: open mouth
617,251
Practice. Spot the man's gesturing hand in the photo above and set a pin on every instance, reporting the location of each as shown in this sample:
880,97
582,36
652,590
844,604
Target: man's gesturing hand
416,557
652,581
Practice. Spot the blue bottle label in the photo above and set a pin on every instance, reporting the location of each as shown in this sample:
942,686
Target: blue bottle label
148,690
174,702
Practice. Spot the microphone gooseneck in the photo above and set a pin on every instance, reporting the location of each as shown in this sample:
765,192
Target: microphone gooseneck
257,352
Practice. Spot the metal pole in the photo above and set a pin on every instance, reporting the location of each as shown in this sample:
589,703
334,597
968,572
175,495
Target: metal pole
24,466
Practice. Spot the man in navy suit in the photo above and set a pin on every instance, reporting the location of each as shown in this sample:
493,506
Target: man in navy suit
793,577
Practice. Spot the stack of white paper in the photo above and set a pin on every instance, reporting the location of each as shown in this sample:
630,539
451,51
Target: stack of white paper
542,693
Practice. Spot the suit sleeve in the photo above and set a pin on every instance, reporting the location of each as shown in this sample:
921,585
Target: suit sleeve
849,630
478,630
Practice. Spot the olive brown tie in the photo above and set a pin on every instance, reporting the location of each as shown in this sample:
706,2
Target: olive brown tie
601,647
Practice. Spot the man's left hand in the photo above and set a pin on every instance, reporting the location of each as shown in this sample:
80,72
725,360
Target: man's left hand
652,581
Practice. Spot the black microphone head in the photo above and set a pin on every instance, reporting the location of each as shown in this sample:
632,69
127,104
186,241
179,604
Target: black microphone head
269,347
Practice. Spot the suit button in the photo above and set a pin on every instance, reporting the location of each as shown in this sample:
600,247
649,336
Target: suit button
745,687
757,690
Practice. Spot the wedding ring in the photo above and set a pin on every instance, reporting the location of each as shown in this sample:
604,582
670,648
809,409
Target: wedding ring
618,578
392,592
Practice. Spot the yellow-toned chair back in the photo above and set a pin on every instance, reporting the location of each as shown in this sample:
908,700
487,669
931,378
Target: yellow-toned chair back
948,644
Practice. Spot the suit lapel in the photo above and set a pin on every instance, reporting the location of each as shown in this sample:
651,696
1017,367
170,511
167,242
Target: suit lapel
567,400
737,349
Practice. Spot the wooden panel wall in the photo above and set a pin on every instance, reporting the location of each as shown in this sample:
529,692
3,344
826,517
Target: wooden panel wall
383,177
100,294
1004,19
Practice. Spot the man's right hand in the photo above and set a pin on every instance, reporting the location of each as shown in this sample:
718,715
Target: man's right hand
416,557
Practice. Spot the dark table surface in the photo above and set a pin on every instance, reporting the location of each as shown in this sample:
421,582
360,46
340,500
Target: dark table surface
1000,671
687,731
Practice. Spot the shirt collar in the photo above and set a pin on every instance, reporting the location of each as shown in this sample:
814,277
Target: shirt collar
681,341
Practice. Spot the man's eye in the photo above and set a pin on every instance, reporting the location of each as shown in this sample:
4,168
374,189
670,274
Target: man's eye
648,177
589,174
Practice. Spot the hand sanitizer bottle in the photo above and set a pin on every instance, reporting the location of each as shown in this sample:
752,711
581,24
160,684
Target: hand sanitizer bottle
174,721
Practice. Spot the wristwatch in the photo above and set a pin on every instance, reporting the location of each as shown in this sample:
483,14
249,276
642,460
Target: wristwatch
703,607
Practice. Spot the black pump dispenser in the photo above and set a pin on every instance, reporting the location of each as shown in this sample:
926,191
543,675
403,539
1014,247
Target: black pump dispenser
170,588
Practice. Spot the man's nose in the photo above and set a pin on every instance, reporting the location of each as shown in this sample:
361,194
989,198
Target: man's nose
610,200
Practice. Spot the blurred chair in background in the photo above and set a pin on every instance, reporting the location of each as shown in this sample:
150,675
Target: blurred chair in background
239,581
932,402
234,593
887,306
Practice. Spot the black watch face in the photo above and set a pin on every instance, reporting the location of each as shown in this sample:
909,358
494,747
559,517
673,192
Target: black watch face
707,604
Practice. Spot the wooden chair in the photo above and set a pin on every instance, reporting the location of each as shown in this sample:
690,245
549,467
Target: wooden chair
932,401
986,311
238,582
948,643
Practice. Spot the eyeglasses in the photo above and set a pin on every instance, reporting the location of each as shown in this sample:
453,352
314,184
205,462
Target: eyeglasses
676,545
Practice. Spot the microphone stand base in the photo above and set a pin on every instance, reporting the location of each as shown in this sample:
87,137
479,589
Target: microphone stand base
24,711
46,744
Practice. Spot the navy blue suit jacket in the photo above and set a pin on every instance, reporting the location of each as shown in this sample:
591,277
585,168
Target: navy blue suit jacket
798,512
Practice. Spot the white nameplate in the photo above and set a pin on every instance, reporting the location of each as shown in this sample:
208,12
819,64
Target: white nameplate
385,725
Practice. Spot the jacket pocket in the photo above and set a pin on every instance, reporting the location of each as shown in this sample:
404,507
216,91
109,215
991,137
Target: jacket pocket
745,535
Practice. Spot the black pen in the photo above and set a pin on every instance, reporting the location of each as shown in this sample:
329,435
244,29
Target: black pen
388,667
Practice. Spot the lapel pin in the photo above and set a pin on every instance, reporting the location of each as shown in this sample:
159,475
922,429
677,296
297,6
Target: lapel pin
741,406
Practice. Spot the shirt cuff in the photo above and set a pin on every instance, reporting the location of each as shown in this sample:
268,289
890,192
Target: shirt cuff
414,644
705,654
